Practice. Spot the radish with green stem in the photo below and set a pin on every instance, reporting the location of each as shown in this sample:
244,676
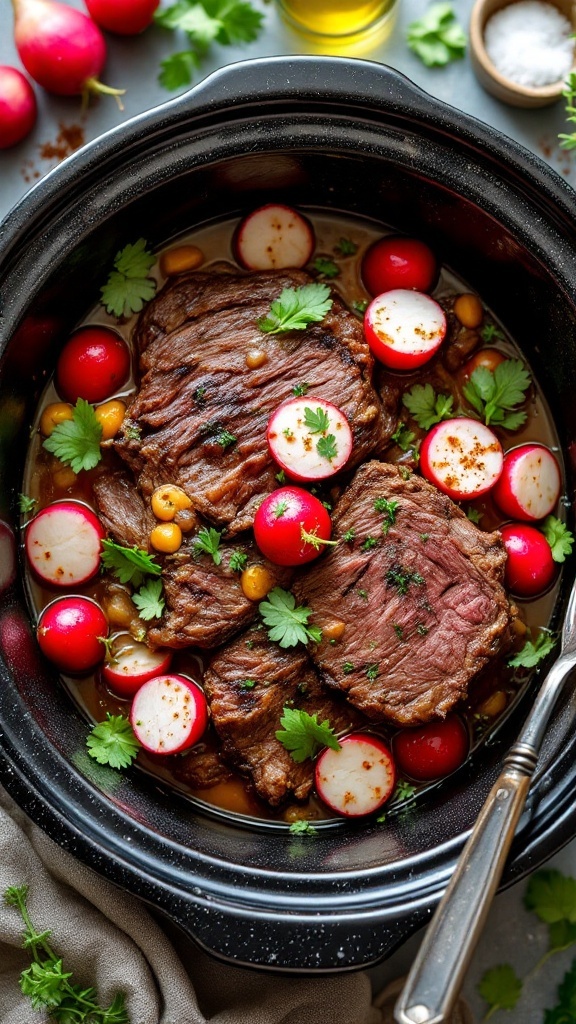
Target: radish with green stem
18,107
61,48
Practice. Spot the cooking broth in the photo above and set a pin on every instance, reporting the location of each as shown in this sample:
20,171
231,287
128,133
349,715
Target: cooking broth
496,689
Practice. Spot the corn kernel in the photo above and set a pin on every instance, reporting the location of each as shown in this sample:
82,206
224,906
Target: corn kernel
255,358
52,415
181,259
167,501
468,310
166,537
256,581
119,609
110,415
334,630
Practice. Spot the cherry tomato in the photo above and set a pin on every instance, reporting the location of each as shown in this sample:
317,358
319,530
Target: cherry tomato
431,751
126,17
70,631
489,358
397,262
530,567
93,364
291,525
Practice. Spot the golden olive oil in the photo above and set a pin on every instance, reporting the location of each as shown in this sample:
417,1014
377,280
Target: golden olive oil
336,18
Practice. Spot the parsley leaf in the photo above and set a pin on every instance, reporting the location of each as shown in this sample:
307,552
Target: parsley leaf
288,624
489,332
207,542
237,561
113,742
326,267
205,22
436,37
403,437
533,652
559,537
149,600
316,421
303,735
76,442
128,286
302,828
389,510
552,896
129,565
404,790
224,438
565,1011
426,406
401,578
299,390
474,515
296,308
500,987
346,247
26,505
495,394
326,447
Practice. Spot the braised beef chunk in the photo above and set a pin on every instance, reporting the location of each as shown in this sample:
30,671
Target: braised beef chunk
205,603
211,378
418,588
126,516
201,768
247,686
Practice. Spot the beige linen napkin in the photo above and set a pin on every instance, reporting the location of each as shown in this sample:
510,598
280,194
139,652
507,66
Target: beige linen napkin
108,939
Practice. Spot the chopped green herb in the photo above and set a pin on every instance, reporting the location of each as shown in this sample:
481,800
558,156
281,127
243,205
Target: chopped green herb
128,565
404,790
533,652
225,439
76,442
207,541
113,742
564,1012
389,510
424,537
474,515
437,38
247,684
362,594
288,625
128,286
403,437
347,668
402,578
303,735
199,396
426,406
238,561
360,306
368,544
399,630
326,267
296,308
317,422
489,332
280,477
501,988
149,600
405,473
326,447
495,394
133,432
559,537
372,671
287,432
299,390
302,828
348,536
26,505
422,630
346,247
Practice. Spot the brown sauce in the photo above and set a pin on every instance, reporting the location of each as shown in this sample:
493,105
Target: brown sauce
44,481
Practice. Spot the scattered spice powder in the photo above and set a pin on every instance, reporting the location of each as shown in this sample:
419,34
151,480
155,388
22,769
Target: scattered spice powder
70,137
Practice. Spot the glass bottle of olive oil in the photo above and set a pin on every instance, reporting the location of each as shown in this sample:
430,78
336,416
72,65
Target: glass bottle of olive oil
337,19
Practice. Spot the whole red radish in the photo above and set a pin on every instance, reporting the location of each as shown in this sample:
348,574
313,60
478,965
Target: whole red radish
93,364
126,17
397,262
71,631
18,108
530,567
61,48
433,750
292,526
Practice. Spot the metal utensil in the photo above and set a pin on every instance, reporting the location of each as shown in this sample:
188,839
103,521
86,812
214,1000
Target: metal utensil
436,976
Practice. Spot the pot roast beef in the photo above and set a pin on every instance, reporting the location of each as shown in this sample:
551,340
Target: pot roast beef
210,380
415,589
247,685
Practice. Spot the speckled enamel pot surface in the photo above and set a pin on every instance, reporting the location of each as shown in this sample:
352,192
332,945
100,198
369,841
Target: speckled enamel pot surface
317,133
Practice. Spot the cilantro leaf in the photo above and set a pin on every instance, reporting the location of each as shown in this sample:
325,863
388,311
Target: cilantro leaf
426,406
129,565
237,561
561,935
346,247
403,437
500,987
296,308
178,69
565,1011
113,742
533,652
551,896
317,421
404,790
76,442
326,267
26,505
436,37
43,983
302,828
288,625
149,600
303,735
495,394
326,447
559,537
489,332
128,286
300,389
207,542
388,510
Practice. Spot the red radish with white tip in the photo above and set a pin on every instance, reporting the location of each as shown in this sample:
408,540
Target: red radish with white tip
125,17
18,107
61,48
169,713
71,631
530,567
530,483
462,457
131,664
309,438
63,544
357,779
398,262
292,526
404,328
273,237
431,751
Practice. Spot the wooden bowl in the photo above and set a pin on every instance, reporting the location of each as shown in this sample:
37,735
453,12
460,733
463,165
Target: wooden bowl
490,78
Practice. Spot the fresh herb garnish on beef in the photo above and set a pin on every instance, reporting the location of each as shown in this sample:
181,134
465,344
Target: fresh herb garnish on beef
426,406
149,600
288,625
207,542
129,565
297,308
238,561
402,578
76,442
388,510
303,735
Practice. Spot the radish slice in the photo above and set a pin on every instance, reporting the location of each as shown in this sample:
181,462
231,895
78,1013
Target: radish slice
404,328
63,544
309,438
462,457
273,237
530,483
358,778
169,714
133,664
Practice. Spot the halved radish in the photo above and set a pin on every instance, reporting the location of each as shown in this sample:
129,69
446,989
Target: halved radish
404,328
530,483
462,457
358,778
71,631
309,438
132,664
273,237
63,544
169,714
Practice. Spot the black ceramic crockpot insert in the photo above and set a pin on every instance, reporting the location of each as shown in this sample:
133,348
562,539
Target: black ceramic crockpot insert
319,133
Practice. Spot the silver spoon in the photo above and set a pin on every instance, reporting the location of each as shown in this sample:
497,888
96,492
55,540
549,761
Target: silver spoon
436,976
